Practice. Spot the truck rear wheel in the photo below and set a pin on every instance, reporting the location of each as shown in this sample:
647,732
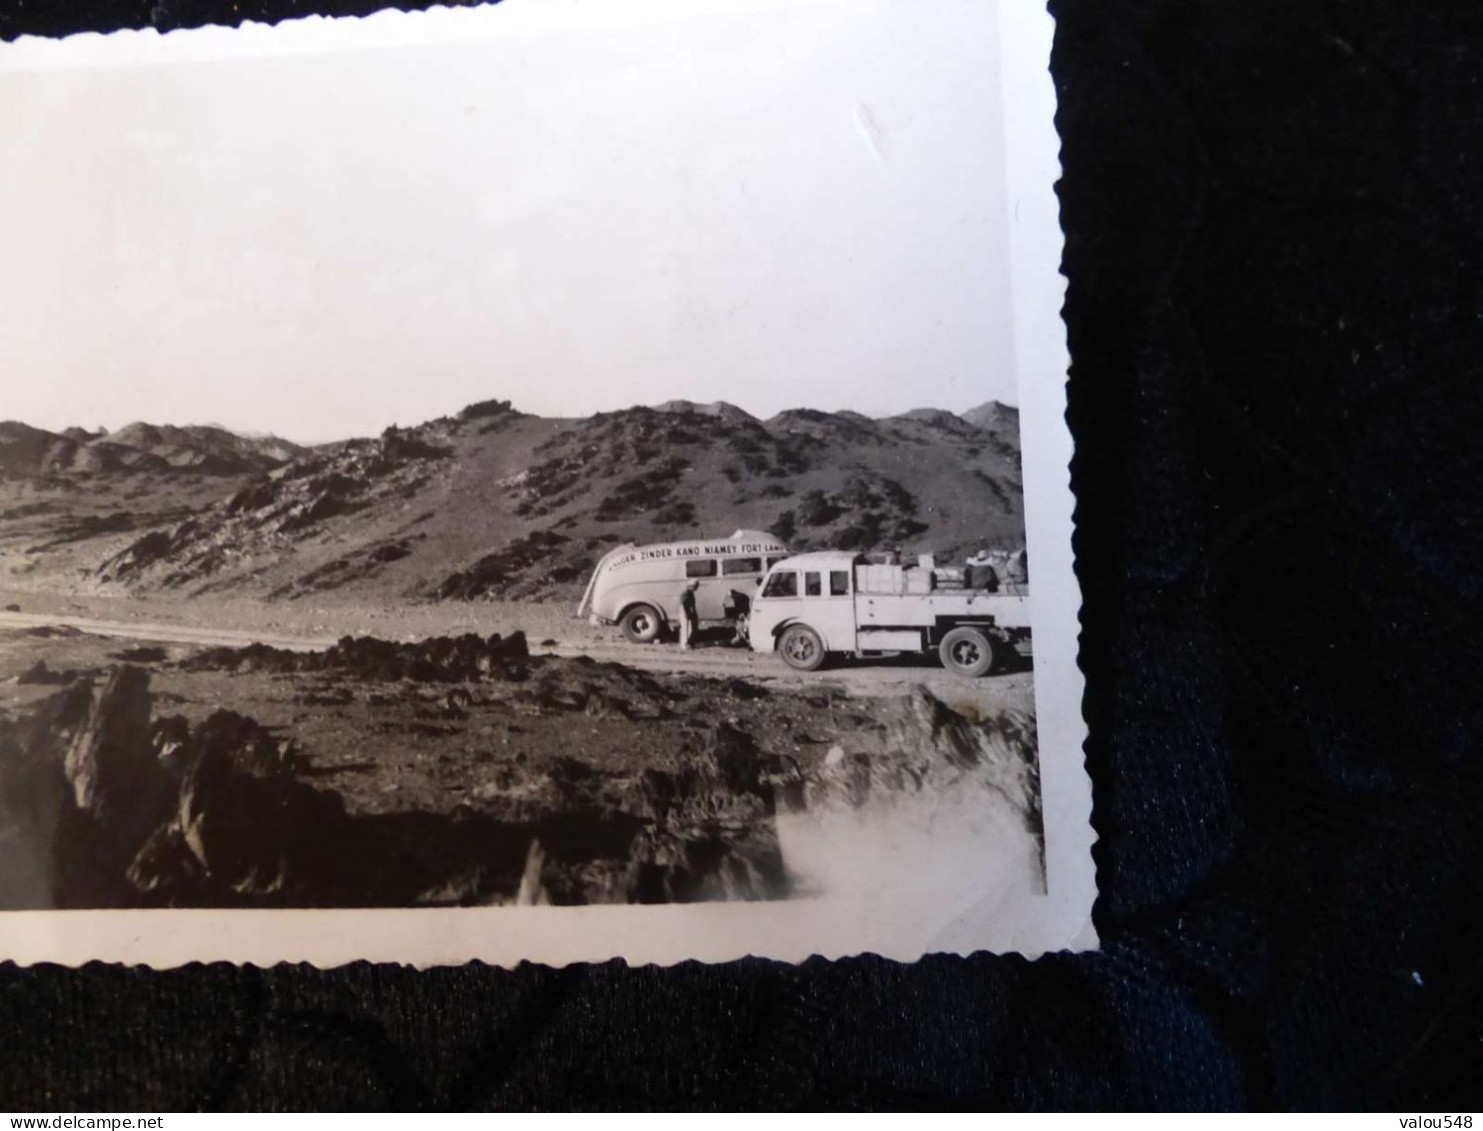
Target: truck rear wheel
641,624
967,651
801,647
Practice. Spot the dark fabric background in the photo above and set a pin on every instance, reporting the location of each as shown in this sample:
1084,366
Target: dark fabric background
1273,212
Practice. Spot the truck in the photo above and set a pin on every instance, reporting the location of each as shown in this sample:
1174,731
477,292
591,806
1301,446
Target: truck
638,588
810,607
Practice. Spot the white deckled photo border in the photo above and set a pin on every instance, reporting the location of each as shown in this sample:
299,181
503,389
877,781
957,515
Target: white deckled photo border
791,930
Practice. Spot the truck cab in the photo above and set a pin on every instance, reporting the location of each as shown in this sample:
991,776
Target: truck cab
815,591
812,606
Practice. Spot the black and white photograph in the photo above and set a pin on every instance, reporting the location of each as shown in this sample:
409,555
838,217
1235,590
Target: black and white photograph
512,479
727,555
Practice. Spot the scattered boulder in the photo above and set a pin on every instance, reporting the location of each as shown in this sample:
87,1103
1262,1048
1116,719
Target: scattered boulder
598,689
441,659
502,572
39,673
745,690
249,826
143,654
48,631
485,410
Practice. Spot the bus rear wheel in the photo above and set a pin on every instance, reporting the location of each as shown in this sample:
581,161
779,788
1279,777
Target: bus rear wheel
641,624
801,648
967,651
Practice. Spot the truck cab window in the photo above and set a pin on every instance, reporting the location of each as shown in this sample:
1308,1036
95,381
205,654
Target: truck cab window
732,566
783,584
811,585
839,583
700,567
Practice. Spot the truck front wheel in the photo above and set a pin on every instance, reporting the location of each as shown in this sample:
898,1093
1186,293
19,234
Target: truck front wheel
967,651
641,624
801,647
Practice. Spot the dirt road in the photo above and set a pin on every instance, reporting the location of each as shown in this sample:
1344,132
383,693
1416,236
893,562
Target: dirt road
886,677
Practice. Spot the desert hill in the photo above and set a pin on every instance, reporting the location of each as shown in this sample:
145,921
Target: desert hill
994,416
67,498
1001,421
206,448
27,452
496,503
716,408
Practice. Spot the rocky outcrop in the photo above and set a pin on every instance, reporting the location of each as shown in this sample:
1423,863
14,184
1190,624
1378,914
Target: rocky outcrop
116,807
440,659
109,764
238,821
117,792
34,794
40,674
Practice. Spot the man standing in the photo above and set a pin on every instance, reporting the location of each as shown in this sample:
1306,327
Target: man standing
689,618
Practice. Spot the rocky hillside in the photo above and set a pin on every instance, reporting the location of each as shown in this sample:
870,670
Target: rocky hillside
496,503
70,498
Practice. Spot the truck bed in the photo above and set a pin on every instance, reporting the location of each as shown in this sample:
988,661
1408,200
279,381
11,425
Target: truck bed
923,609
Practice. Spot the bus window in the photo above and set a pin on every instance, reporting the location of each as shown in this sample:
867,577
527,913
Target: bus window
732,566
772,561
700,567
811,586
839,583
784,584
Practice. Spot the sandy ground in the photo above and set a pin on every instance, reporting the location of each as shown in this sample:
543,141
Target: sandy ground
551,630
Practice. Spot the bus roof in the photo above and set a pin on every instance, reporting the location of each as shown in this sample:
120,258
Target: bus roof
742,543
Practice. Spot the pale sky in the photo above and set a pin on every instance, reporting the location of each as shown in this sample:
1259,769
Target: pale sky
802,206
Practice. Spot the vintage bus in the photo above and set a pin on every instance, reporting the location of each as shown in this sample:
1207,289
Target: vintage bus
638,588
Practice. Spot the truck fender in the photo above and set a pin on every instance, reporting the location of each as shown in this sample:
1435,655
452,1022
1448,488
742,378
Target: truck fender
782,627
986,625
